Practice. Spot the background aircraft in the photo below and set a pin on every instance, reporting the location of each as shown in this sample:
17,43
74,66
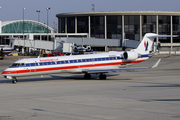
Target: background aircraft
7,49
81,50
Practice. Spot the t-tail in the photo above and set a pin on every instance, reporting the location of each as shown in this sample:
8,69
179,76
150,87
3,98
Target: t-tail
8,49
144,48
11,44
146,44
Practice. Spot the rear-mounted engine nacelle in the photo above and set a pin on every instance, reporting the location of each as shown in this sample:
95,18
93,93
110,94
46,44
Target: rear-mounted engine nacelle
131,55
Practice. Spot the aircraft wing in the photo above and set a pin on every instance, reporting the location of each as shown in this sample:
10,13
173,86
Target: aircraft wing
91,71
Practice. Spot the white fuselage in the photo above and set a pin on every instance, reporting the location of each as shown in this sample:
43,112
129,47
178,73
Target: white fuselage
70,64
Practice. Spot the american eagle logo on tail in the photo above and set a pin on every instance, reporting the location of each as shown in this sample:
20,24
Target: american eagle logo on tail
146,45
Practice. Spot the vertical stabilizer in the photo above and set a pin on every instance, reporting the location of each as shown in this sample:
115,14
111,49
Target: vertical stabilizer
11,44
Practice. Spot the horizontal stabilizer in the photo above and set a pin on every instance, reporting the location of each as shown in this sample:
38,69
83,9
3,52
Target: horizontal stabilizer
156,64
153,36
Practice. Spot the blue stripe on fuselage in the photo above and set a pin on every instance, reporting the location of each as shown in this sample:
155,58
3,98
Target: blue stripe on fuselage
74,61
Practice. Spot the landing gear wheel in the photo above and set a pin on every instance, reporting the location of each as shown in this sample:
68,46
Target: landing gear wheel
87,76
102,76
14,81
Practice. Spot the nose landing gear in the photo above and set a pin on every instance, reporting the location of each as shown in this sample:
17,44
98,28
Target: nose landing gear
14,80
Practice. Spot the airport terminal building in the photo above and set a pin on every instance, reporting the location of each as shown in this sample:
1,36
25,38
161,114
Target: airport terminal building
25,28
131,25
22,28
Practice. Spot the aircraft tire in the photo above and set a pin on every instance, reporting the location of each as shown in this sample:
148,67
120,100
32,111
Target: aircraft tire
102,76
87,76
14,81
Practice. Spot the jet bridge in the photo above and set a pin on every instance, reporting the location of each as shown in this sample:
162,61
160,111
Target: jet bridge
39,44
57,43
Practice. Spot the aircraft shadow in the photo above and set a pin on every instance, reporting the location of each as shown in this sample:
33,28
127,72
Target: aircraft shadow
60,78
163,85
93,77
161,100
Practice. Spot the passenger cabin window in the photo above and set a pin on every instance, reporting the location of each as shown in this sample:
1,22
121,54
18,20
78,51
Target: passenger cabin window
71,61
66,61
99,59
79,60
84,60
103,59
33,64
107,58
118,57
27,64
62,62
49,63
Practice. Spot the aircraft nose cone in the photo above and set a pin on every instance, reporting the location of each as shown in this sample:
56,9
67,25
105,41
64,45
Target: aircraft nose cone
7,72
4,73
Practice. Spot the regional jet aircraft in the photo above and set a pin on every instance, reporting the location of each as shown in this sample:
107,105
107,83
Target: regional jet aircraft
7,49
87,64
81,50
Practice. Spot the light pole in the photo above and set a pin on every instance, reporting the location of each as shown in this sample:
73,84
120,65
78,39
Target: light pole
54,26
38,11
48,8
23,32
23,23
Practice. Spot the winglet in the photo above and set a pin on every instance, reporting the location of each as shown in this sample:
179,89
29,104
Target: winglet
156,64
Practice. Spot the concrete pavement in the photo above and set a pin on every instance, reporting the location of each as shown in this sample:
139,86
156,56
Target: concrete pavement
152,94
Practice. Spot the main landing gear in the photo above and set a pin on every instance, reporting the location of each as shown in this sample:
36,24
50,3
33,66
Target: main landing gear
102,76
87,76
14,80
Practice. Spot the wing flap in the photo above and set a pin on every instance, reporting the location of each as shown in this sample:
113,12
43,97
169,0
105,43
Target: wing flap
93,71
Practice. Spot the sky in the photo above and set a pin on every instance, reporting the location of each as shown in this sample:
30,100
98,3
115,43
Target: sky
13,9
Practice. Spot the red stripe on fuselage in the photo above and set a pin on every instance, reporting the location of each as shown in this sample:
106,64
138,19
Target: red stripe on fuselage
68,67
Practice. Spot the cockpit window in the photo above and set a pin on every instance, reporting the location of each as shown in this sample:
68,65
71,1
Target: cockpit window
15,64
22,64
18,64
